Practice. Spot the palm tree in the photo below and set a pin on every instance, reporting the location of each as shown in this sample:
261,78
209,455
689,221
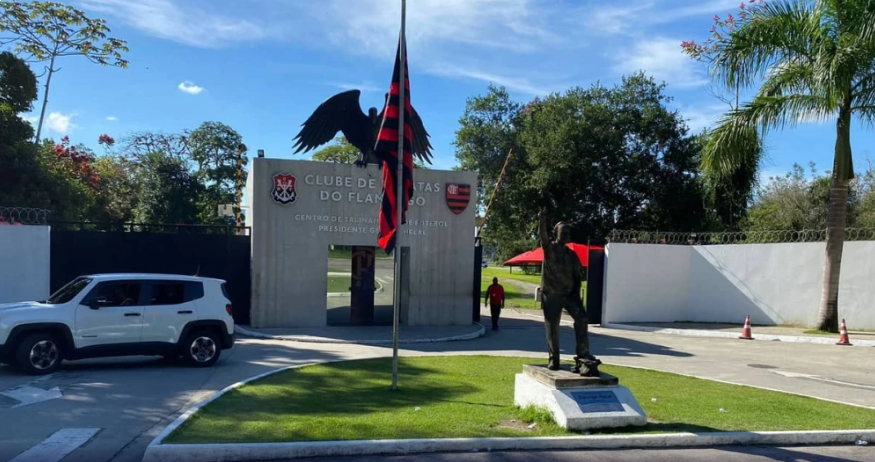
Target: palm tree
813,60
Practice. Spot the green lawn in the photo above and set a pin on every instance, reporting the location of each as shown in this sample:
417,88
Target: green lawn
472,396
338,283
513,296
503,272
346,252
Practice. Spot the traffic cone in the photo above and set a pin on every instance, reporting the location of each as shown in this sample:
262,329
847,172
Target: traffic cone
843,335
745,332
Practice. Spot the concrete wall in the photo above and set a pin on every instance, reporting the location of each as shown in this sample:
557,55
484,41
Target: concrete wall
24,263
290,242
774,283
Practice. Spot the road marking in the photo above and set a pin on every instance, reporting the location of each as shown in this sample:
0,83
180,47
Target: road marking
57,446
799,375
27,395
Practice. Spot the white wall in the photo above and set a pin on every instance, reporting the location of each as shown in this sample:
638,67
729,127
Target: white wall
24,263
774,283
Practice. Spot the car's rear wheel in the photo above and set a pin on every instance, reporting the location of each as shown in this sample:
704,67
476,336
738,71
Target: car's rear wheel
39,354
201,349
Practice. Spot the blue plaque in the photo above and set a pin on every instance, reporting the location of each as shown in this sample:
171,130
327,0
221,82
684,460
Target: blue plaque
597,401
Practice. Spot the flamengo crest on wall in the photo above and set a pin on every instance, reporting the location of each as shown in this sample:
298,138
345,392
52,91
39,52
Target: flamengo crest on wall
458,196
284,189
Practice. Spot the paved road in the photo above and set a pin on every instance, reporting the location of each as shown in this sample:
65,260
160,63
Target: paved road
732,454
131,400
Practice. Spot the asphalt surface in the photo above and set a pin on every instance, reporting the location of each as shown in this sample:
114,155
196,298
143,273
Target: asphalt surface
131,400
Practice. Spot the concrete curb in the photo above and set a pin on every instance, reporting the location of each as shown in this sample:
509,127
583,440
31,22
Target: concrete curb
278,451
721,334
479,332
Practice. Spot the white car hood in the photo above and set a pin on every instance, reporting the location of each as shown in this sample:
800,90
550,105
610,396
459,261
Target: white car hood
5,307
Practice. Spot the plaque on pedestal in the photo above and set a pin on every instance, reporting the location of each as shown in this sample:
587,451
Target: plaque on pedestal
578,403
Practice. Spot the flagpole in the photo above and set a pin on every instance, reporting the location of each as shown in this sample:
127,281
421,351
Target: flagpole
399,196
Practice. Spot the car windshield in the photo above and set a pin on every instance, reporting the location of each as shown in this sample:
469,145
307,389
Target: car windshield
66,293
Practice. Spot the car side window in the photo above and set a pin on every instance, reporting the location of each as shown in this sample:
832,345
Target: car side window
168,293
114,293
193,290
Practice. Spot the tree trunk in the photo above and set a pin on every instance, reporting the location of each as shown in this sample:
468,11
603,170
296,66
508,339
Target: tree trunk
42,114
828,316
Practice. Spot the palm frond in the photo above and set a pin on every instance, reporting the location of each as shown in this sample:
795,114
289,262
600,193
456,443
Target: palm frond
775,31
738,133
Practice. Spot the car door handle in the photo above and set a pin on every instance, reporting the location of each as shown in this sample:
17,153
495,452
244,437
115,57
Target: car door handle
128,315
184,312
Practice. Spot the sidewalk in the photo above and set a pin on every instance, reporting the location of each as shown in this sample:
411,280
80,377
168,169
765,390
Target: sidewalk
766,333
365,335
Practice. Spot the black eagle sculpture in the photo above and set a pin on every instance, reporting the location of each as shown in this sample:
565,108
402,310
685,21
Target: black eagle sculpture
343,113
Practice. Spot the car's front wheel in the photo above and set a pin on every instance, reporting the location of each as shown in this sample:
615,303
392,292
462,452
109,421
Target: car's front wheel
39,354
201,349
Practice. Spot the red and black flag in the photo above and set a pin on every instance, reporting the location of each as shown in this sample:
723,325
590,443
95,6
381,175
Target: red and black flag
387,149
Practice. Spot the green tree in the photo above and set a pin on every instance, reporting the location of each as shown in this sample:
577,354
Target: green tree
166,191
116,191
20,169
598,158
46,31
794,201
215,148
341,152
813,60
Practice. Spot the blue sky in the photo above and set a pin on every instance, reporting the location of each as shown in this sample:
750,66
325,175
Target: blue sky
262,66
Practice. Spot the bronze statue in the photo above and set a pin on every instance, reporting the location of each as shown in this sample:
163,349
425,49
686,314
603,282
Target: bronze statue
343,113
561,283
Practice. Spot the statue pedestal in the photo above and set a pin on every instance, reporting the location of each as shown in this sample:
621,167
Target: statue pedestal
578,403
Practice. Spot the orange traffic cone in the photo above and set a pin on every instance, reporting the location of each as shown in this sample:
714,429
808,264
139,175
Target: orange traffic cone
843,335
745,332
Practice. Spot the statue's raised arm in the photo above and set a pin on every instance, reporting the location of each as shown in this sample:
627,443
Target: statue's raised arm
544,231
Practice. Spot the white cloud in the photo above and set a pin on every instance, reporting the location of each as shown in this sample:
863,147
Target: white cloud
189,87
181,22
112,118
663,59
520,84
701,117
610,19
364,87
60,123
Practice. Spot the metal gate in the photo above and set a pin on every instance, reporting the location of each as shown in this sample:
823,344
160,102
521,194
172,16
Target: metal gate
209,251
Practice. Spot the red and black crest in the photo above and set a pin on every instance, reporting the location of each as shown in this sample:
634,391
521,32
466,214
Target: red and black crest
458,196
284,189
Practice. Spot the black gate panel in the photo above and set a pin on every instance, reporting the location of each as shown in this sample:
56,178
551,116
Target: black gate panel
221,256
595,281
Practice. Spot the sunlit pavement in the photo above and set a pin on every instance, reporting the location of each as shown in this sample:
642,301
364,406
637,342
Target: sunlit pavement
128,401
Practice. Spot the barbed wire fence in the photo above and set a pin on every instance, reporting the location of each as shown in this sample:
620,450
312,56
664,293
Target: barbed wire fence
23,216
738,237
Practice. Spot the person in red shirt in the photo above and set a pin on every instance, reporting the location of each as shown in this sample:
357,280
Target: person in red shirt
495,298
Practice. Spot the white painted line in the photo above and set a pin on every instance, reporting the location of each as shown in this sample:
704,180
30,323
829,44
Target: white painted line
479,332
278,451
57,446
720,334
820,379
27,395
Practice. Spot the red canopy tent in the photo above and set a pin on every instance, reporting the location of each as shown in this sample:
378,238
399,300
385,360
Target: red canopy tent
536,257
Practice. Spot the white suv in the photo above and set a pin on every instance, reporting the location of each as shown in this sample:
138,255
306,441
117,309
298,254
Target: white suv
119,315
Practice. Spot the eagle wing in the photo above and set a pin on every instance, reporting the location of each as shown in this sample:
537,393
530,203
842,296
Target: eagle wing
420,143
340,113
